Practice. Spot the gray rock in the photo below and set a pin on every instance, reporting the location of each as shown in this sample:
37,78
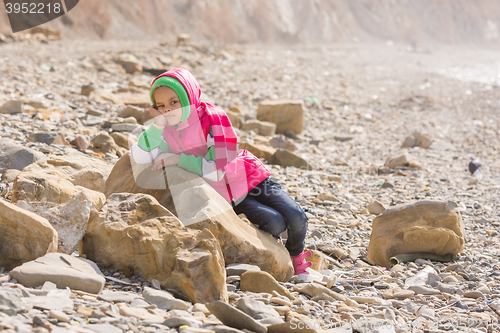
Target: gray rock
286,158
163,299
58,301
15,156
445,288
63,270
10,301
175,322
238,269
256,309
180,313
225,329
11,107
124,127
117,296
433,279
48,138
233,317
423,290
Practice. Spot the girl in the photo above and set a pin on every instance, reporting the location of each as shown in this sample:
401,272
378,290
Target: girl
198,136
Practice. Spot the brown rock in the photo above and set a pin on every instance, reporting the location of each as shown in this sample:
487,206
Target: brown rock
285,114
130,64
82,142
24,236
134,233
262,282
418,139
103,143
140,100
235,119
199,206
426,226
375,207
50,187
401,160
287,158
259,150
282,141
260,127
12,107
79,169
133,111
122,140
313,289
318,260
237,109
69,219
183,39
123,179
106,96
87,90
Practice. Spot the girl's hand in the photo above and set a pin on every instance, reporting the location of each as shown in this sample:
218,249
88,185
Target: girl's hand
164,160
159,117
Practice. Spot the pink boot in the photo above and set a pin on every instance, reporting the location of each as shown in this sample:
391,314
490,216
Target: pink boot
300,265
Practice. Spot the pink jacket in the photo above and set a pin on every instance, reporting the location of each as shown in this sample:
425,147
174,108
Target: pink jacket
190,137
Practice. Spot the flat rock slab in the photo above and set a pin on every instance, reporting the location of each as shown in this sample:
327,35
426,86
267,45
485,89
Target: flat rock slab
56,302
163,299
238,269
117,296
61,269
233,317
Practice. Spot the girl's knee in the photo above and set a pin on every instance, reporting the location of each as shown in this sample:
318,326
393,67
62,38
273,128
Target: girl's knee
297,218
274,224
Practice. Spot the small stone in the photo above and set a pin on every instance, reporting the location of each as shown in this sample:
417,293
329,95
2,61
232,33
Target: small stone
398,293
11,107
281,301
233,317
473,294
59,315
423,290
375,207
401,160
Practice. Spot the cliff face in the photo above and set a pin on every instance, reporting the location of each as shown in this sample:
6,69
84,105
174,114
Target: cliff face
283,21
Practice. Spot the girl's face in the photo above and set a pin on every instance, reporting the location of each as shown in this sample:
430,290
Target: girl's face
167,102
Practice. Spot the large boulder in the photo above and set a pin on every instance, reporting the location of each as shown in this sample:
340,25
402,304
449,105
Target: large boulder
24,236
425,226
125,178
69,219
79,169
199,206
16,156
287,115
136,234
50,187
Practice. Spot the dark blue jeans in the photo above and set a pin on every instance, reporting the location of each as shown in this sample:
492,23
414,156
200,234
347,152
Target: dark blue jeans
272,210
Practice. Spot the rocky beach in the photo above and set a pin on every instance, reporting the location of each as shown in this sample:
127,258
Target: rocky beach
374,141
